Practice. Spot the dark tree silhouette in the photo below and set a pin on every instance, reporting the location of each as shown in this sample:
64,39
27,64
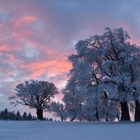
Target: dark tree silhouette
10,115
137,111
35,94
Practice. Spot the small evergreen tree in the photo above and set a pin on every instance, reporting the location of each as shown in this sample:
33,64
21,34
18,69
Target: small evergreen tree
24,116
29,117
18,116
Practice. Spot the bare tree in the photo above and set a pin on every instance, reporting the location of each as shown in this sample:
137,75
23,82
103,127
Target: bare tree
58,109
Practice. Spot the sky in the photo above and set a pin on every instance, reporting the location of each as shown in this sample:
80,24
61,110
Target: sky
37,36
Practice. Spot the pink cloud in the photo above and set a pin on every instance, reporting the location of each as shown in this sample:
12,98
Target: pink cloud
36,37
25,20
52,67
5,47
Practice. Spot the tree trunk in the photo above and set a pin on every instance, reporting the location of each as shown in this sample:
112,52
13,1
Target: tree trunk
62,119
137,111
73,118
125,111
39,113
97,116
118,117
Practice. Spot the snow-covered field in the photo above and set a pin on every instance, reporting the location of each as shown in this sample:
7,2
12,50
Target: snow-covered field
36,130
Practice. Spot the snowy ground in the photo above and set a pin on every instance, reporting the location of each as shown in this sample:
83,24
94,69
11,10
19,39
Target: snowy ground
36,130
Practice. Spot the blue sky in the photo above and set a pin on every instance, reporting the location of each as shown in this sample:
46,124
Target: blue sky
37,36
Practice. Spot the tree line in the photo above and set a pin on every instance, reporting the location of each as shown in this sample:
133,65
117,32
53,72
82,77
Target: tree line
11,115
104,82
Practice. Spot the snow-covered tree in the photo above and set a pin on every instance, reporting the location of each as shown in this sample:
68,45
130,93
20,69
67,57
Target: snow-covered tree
81,96
58,109
78,92
118,68
105,71
35,94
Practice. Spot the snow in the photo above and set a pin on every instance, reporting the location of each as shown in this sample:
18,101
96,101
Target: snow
36,130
